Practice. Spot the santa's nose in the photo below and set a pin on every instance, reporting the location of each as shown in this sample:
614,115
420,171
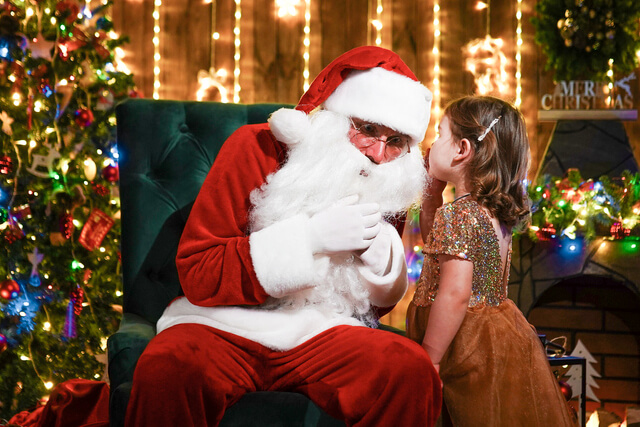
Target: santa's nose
375,152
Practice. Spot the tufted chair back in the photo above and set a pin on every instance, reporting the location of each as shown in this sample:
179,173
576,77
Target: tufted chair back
166,150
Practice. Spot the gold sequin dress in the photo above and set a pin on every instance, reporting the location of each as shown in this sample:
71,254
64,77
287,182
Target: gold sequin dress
495,371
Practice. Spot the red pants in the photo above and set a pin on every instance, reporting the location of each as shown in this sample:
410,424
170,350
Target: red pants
189,374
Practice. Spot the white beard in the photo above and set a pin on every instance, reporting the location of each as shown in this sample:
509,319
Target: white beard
322,169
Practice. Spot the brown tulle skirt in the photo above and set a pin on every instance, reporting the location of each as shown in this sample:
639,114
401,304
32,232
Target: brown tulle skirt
495,372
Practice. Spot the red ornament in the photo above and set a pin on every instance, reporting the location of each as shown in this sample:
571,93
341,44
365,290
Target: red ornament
9,289
95,229
546,233
83,117
3,343
68,10
76,298
12,233
566,389
66,225
87,276
110,173
100,190
6,165
40,71
618,231
586,186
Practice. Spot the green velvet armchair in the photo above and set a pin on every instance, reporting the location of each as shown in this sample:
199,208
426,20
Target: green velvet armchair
166,150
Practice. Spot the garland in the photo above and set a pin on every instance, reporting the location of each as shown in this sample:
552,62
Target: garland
580,37
571,206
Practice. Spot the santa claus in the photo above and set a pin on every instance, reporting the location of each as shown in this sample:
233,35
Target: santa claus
291,252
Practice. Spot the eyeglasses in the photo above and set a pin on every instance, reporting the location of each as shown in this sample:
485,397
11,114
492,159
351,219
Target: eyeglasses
395,145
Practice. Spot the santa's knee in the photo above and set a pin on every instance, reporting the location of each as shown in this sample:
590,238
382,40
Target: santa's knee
407,364
160,372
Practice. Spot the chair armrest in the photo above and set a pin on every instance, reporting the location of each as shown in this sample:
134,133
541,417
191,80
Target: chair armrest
125,347
384,327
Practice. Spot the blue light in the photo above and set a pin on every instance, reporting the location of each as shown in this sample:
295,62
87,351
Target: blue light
4,196
570,247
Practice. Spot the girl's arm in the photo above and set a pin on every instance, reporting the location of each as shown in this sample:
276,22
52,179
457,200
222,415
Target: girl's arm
431,201
450,306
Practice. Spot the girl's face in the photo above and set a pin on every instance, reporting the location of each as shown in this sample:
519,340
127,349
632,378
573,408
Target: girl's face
443,150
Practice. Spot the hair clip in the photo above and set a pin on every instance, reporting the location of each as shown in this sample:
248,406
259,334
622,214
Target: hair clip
486,131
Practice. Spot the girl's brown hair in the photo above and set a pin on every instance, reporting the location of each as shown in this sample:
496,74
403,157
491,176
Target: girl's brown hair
500,161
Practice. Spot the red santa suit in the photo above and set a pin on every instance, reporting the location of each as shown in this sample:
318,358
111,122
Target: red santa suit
232,333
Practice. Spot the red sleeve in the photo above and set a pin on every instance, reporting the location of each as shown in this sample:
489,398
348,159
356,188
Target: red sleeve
213,261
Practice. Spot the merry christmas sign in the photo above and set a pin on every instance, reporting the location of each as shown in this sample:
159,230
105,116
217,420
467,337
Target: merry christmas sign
590,100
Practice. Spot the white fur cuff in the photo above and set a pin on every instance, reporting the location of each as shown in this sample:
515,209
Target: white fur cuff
282,256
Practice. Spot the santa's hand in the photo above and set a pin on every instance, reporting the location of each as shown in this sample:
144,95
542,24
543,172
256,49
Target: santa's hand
378,256
345,227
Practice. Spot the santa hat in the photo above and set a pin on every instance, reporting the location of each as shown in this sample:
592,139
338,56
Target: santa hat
369,83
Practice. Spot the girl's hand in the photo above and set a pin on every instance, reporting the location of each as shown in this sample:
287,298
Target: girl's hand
434,187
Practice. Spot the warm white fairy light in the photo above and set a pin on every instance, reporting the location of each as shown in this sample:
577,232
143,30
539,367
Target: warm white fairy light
156,48
436,64
377,23
287,8
610,84
488,64
307,43
518,101
212,78
236,56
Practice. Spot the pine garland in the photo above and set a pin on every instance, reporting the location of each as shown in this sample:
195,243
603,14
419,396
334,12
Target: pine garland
571,207
579,37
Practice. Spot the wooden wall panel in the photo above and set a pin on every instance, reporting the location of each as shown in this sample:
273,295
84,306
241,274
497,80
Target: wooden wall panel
133,19
184,45
271,50
265,71
344,26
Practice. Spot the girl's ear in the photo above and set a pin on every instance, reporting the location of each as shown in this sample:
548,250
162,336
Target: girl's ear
464,150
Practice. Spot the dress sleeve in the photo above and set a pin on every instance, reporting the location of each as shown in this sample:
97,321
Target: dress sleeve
214,262
452,233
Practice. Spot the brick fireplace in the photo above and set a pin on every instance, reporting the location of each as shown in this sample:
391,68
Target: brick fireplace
588,292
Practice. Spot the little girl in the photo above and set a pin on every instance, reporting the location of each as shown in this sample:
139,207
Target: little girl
492,364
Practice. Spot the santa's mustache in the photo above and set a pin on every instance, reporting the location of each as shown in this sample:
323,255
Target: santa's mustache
325,167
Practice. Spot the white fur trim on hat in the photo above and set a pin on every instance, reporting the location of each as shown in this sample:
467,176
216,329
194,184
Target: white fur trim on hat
384,97
288,125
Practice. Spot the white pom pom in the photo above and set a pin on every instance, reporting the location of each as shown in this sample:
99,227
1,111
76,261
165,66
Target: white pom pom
289,126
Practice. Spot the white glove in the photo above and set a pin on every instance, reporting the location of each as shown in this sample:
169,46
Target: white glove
378,257
345,227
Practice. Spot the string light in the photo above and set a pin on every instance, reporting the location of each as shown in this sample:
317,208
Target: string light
436,64
486,61
156,48
307,42
236,56
488,64
377,23
610,84
518,101
212,77
287,7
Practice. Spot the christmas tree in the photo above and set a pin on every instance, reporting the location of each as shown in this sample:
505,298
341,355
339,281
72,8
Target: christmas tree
60,289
